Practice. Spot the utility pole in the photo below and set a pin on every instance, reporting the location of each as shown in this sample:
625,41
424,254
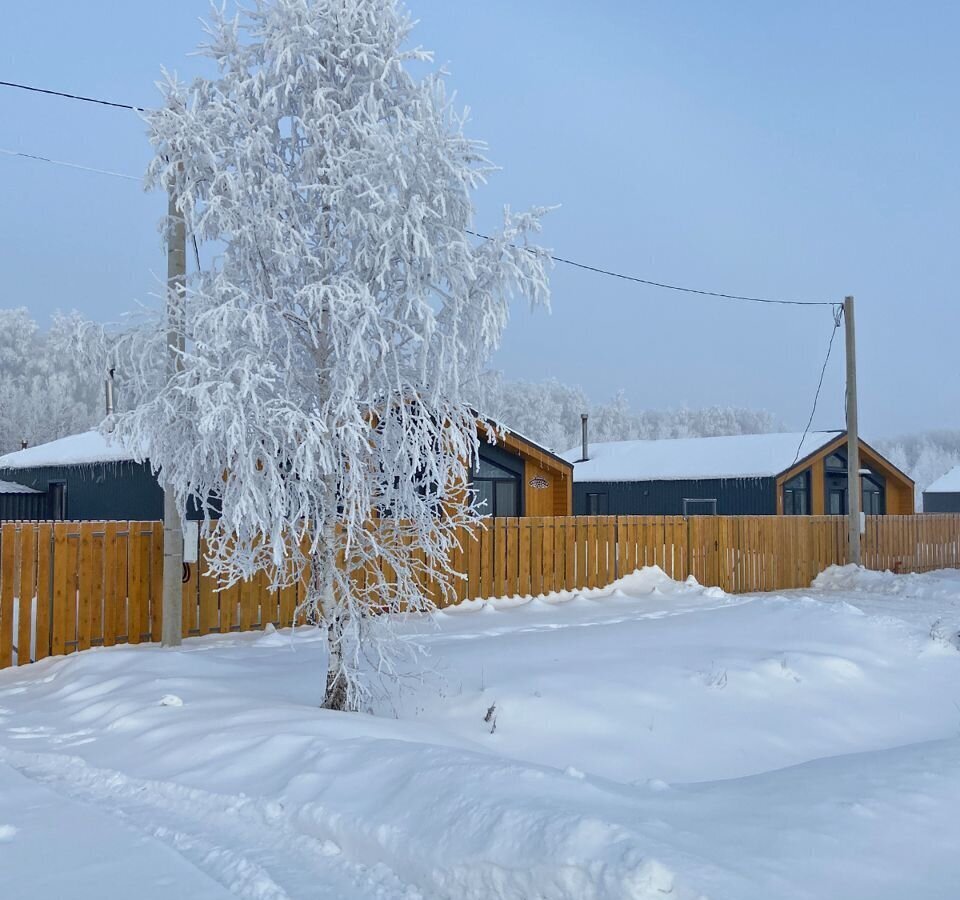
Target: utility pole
853,435
172,525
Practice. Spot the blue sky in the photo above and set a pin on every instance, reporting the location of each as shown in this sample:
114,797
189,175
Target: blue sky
801,150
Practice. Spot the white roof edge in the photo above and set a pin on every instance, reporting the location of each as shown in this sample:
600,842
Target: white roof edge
87,448
11,487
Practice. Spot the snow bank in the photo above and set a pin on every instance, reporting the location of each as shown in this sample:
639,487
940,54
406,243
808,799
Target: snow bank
644,740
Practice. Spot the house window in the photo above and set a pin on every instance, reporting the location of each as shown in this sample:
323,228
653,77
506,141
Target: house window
496,489
836,462
796,495
873,495
699,506
837,502
597,504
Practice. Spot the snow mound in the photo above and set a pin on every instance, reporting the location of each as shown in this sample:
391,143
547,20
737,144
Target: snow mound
652,739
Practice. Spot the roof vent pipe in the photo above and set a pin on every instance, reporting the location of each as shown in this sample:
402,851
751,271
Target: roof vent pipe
109,392
586,442
23,444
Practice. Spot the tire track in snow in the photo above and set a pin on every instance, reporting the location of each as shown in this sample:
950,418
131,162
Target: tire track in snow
246,844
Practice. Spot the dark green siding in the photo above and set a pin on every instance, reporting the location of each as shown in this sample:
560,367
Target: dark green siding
734,496
15,507
110,491
941,503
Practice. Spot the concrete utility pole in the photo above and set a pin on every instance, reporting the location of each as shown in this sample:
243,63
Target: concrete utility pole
853,435
172,526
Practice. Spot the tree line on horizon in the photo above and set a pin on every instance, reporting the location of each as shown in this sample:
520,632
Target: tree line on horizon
52,385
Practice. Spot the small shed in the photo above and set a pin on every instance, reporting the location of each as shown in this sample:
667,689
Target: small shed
19,502
943,496
755,474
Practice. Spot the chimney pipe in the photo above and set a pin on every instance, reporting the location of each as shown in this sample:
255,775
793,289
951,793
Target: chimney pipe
109,392
23,444
586,443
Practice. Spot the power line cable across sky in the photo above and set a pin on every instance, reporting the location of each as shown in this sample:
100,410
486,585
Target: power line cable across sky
719,295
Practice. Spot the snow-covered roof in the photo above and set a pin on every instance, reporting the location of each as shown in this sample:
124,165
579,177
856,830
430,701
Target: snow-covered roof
75,450
11,487
947,484
738,456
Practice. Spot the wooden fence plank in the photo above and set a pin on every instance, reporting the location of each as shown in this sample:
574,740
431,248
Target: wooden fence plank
548,539
524,556
85,600
8,534
44,590
26,592
137,597
61,581
111,582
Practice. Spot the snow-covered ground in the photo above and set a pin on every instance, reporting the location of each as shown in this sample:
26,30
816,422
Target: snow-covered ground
652,739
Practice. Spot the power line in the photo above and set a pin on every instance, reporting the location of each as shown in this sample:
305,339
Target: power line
38,90
837,318
719,295
69,165
671,287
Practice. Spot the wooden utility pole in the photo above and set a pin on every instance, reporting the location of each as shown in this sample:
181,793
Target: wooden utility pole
853,435
172,526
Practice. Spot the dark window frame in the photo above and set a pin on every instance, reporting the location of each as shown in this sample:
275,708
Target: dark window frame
689,500
509,470
796,495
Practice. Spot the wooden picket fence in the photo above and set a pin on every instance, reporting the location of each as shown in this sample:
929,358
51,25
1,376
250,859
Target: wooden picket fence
68,586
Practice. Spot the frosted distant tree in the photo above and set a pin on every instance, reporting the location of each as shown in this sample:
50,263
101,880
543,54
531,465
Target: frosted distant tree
925,457
549,412
47,390
321,398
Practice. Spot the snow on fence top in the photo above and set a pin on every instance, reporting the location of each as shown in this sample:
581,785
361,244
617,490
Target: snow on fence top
11,487
948,484
75,450
738,456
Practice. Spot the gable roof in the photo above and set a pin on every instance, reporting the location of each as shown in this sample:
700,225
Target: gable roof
946,484
687,459
76,450
11,487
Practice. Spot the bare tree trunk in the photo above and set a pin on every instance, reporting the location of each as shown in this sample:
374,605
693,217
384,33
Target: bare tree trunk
336,695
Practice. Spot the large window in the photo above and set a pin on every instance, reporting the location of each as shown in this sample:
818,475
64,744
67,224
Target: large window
796,495
496,489
873,494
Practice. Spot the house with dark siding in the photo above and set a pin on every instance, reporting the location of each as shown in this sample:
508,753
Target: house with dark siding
756,474
943,496
91,477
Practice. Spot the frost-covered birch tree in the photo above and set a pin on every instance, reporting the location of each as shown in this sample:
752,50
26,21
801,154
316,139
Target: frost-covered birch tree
321,399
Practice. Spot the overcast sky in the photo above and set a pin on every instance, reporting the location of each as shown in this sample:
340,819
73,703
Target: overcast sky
789,150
